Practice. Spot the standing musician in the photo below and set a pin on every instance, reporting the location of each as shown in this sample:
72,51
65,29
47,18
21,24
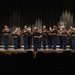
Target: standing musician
35,38
72,34
60,37
62,34
6,32
19,37
65,34
54,36
15,38
40,38
44,36
50,38
29,37
25,37
70,38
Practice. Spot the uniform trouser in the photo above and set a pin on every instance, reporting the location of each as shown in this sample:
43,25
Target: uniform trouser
50,42
44,43
54,42
64,43
35,42
19,42
70,43
25,43
61,42
39,44
73,43
29,42
6,42
15,43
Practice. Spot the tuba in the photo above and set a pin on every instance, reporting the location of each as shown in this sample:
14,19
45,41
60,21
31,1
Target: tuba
62,24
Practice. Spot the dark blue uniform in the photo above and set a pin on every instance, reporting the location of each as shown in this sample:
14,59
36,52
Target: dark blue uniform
70,39
49,39
64,39
36,40
54,38
60,39
19,42
15,38
6,39
25,37
40,39
73,40
44,38
29,40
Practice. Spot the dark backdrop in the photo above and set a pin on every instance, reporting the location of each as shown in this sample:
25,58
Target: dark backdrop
20,12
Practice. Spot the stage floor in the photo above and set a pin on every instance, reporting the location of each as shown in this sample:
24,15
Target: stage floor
21,50
11,49
39,50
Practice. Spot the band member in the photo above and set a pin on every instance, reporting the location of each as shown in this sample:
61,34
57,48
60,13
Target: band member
72,34
60,38
69,33
29,37
25,37
50,38
6,32
35,38
44,36
15,38
19,37
40,38
64,33
54,36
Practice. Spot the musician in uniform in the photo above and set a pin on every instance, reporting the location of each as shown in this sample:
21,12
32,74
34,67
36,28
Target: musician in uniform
6,32
15,38
19,37
40,38
44,36
72,34
54,36
69,33
50,38
65,34
60,38
29,37
35,38
25,37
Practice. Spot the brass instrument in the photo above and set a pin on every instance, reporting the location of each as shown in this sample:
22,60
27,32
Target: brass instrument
72,33
64,32
6,31
17,31
62,24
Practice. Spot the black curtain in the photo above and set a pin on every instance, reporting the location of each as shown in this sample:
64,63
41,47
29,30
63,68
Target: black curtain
25,12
